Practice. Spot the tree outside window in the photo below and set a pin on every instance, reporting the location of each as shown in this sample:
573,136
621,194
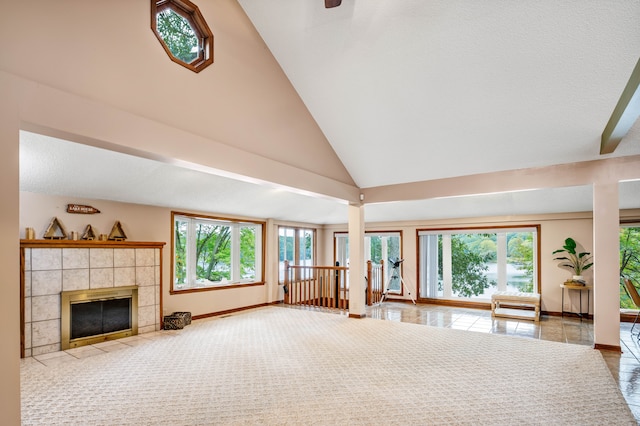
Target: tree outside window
469,267
297,246
213,252
378,246
629,262
475,263
183,33
178,35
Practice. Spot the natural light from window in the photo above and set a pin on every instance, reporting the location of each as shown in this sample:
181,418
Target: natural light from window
629,262
213,252
297,246
183,33
377,246
474,263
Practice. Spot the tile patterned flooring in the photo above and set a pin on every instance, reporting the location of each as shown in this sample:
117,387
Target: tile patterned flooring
69,355
625,366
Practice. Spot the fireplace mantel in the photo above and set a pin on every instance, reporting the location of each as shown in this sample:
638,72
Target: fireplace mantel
89,244
50,266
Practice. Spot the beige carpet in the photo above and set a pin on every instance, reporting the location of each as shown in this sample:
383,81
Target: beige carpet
279,366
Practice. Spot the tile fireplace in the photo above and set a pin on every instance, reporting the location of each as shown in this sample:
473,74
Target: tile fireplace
52,268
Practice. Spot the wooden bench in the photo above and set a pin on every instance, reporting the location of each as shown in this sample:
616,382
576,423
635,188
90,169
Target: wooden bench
513,298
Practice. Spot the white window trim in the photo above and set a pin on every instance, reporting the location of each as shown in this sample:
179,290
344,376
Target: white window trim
235,226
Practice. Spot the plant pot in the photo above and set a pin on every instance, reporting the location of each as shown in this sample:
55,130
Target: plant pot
578,278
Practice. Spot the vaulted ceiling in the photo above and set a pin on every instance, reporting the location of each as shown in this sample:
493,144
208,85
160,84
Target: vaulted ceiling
415,90
435,89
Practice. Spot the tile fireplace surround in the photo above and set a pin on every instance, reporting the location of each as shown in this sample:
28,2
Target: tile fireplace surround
52,266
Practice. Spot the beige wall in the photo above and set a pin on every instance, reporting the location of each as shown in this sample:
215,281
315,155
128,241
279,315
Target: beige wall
147,223
150,223
243,101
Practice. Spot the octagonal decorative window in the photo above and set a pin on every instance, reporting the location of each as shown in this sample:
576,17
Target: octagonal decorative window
183,33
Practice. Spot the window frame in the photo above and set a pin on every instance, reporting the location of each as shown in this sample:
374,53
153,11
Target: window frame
191,13
369,234
296,247
624,311
260,257
472,302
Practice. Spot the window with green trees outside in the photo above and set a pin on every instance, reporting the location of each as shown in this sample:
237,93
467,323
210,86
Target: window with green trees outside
183,33
474,263
211,253
378,245
629,261
297,246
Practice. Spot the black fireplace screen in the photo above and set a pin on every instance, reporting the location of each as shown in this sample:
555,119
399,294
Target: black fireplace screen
100,317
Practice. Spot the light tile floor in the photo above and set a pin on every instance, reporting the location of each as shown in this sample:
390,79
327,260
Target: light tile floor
625,366
68,355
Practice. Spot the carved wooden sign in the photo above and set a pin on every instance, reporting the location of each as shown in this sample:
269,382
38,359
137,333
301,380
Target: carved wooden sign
78,208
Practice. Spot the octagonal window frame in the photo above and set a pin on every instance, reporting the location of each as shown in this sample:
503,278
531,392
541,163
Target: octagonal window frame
191,13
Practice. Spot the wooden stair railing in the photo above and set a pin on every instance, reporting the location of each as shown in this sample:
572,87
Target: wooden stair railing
318,286
375,282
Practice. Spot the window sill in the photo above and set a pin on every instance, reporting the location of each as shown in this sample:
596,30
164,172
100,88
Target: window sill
215,287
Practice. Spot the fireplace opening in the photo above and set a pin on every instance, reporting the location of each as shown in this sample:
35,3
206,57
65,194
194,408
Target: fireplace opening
92,316
100,317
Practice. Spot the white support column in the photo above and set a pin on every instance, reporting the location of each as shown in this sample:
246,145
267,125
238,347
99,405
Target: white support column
357,297
447,269
501,254
606,269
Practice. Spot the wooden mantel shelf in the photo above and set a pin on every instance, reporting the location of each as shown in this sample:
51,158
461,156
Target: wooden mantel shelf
89,244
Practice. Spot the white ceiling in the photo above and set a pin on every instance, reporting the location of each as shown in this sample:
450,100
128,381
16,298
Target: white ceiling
417,89
54,166
455,87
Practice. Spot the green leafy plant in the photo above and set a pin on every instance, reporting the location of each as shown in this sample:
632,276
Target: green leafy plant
629,262
469,268
178,35
578,261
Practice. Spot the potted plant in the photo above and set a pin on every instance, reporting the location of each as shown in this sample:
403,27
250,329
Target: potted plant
577,261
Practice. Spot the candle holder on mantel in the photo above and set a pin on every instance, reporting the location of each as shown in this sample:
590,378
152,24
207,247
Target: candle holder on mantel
29,234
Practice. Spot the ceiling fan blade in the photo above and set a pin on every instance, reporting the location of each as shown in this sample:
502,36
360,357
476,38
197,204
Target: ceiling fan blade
331,3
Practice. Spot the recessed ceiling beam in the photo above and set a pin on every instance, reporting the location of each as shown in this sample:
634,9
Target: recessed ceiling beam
624,115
